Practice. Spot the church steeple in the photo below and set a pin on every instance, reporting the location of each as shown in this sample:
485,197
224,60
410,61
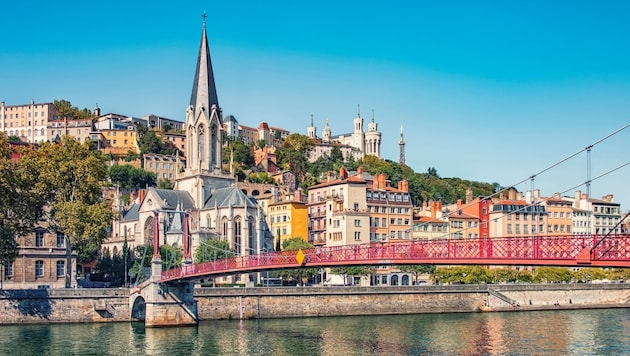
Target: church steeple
204,92
203,117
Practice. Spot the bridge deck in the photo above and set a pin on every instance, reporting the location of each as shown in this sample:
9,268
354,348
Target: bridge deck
586,251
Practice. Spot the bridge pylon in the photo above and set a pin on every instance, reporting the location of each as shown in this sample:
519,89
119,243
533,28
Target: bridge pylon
167,304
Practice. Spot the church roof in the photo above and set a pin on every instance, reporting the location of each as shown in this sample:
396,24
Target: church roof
133,213
171,198
204,92
227,197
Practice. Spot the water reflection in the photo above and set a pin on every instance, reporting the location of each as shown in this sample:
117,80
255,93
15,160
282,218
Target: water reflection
550,333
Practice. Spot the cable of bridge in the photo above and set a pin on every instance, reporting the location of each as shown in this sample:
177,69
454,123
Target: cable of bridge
588,148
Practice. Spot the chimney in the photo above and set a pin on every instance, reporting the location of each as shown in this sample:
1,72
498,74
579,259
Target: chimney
609,198
439,205
343,173
536,195
331,176
459,203
298,194
469,195
381,181
275,194
360,172
400,185
132,198
512,194
141,194
405,186
433,209
578,196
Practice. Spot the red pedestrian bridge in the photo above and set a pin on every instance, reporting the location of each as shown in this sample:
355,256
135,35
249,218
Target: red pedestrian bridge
579,251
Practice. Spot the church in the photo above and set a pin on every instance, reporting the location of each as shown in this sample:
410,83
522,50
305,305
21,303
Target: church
217,208
356,144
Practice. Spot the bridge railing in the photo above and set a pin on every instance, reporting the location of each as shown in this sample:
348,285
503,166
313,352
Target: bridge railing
559,250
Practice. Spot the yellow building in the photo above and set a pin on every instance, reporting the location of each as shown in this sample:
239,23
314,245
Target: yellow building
559,216
118,142
288,218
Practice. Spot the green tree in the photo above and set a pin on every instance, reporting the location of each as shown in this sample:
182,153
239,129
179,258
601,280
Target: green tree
553,275
171,257
165,183
417,270
213,249
351,271
293,155
65,109
20,201
129,177
70,177
260,177
298,274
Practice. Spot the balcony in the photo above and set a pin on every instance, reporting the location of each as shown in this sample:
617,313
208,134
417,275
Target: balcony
351,212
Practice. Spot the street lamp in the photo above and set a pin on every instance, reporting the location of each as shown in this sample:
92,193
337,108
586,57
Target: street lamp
50,250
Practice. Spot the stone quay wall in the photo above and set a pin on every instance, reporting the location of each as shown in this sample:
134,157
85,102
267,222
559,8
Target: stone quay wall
112,305
23,306
245,303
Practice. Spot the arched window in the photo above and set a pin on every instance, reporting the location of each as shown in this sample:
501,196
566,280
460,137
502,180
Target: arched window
251,233
224,228
394,280
237,234
213,146
202,144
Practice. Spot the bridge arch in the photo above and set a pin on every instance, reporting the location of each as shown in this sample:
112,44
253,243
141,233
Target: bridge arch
138,309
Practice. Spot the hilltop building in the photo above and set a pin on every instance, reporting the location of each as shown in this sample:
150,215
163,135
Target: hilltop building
29,121
356,144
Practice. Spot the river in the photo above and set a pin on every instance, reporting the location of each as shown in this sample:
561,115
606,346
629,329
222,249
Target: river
570,332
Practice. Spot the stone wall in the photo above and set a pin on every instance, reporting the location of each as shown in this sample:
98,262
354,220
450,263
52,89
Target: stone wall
110,305
64,306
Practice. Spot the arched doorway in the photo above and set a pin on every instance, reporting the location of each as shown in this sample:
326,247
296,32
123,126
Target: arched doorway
394,280
405,280
139,309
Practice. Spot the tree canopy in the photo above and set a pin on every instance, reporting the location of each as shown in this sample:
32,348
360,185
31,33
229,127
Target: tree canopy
65,109
129,177
69,179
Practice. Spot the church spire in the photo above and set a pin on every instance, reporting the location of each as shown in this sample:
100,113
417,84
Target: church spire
204,92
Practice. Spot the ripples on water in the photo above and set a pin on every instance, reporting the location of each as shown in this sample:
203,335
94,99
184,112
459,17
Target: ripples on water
576,332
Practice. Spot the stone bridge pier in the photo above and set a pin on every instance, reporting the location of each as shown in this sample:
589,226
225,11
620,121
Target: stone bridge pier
163,304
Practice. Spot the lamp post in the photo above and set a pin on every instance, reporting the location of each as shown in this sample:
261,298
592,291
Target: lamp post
50,250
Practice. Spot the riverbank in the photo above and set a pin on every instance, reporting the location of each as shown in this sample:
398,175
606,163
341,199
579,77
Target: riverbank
112,305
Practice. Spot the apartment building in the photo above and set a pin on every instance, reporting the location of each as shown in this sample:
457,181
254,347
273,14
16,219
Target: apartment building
41,261
164,166
391,210
28,121
337,210
118,142
560,214
81,129
429,222
288,217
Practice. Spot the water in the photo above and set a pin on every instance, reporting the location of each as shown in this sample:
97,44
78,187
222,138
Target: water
575,332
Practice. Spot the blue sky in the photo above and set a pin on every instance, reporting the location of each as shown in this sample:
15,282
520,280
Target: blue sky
488,91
